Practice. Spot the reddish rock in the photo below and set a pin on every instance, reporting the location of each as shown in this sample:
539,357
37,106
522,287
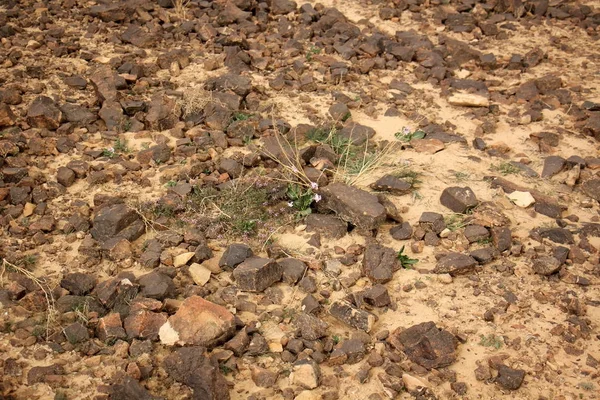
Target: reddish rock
144,324
44,113
110,327
7,117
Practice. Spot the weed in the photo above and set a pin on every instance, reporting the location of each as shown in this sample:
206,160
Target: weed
346,116
300,199
29,261
126,126
247,139
121,146
406,135
38,331
317,135
240,116
408,175
505,168
461,176
314,50
171,184
145,146
336,339
225,370
162,210
487,240
455,221
491,340
181,7
586,385
405,261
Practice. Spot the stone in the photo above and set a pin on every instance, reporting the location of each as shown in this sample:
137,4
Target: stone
117,220
468,100
310,327
233,168
255,274
426,344
339,112
427,145
65,176
455,264
306,374
501,238
521,199
391,211
126,387
326,224
432,222
111,113
200,274
239,343
182,259
392,184
354,205
546,265
354,349
78,283
106,82
193,368
484,255
403,231
44,113
459,199
39,374
116,293
198,322
377,296
156,285
293,269
235,254
476,233
351,316
552,166
160,154
78,115
379,263
591,188
557,235
144,324
262,377
356,133
137,36
238,84
7,117
509,378
76,333
110,328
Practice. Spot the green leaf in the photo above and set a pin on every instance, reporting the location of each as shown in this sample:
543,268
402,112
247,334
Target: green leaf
418,135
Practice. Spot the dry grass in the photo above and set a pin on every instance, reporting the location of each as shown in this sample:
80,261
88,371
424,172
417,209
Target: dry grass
195,100
181,7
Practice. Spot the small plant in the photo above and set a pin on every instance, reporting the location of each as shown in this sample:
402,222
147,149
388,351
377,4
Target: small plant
406,135
245,226
336,339
127,124
171,184
121,146
586,386
505,168
301,198
487,240
491,340
455,221
181,7
405,261
314,50
461,176
225,370
317,135
408,175
240,116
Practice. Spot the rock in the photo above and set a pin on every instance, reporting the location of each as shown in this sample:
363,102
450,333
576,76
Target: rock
117,220
354,349
198,322
484,255
402,232
501,238
306,374
125,387
455,264
521,199
106,82
427,145
39,374
468,100
358,319
76,81
78,283
459,199
509,378
137,36
156,285
339,112
78,115
591,188
110,328
432,222
163,113
311,328
262,377
44,113
238,84
182,259
65,176
234,255
144,324
356,133
293,269
239,343
354,205
546,265
200,274
426,345
552,166
7,117
191,367
112,115
392,184
391,211
412,383
379,263
76,333
255,274
557,235
233,168
327,225
377,296
475,233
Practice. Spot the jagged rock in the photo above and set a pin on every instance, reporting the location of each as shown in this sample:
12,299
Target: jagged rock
293,269
311,328
305,373
193,368
354,205
591,187
255,274
377,296
455,264
44,113
475,233
156,285
117,220
426,344
262,377
510,378
326,224
432,222
110,327
356,133
144,324
359,319
557,235
458,199
234,255
552,166
198,322
546,265
125,387
7,117
78,283
392,184
379,263
403,231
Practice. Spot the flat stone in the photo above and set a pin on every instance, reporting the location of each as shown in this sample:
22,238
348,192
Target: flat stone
356,133
256,274
200,274
293,269
182,259
117,220
427,145
326,224
311,327
521,199
306,374
591,188
392,184
468,100
432,222
354,205
475,233
510,378
401,232
455,264
546,265
44,113
552,166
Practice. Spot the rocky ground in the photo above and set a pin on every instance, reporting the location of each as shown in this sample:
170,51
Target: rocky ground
264,199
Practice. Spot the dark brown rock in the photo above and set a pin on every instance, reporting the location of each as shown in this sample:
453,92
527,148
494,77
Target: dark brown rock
401,232
125,387
293,269
110,327
117,220
432,222
44,113
591,187
78,283
379,263
392,184
255,274
235,254
326,224
510,378
351,316
546,265
354,205
7,117
311,327
144,324
552,166
356,133
377,296
475,233
458,199
65,176
455,264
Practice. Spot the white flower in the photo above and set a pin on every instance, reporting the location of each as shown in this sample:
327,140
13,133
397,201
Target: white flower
406,130
314,185
295,170
111,149
317,198
290,204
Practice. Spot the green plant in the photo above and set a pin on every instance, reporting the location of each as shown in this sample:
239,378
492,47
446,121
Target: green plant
405,261
317,135
225,370
406,135
126,126
300,199
491,340
38,331
505,168
408,175
461,176
121,146
240,116
455,221
312,51
171,184
484,241
586,385
336,339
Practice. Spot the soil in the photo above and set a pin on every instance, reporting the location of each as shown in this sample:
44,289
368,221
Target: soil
502,312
